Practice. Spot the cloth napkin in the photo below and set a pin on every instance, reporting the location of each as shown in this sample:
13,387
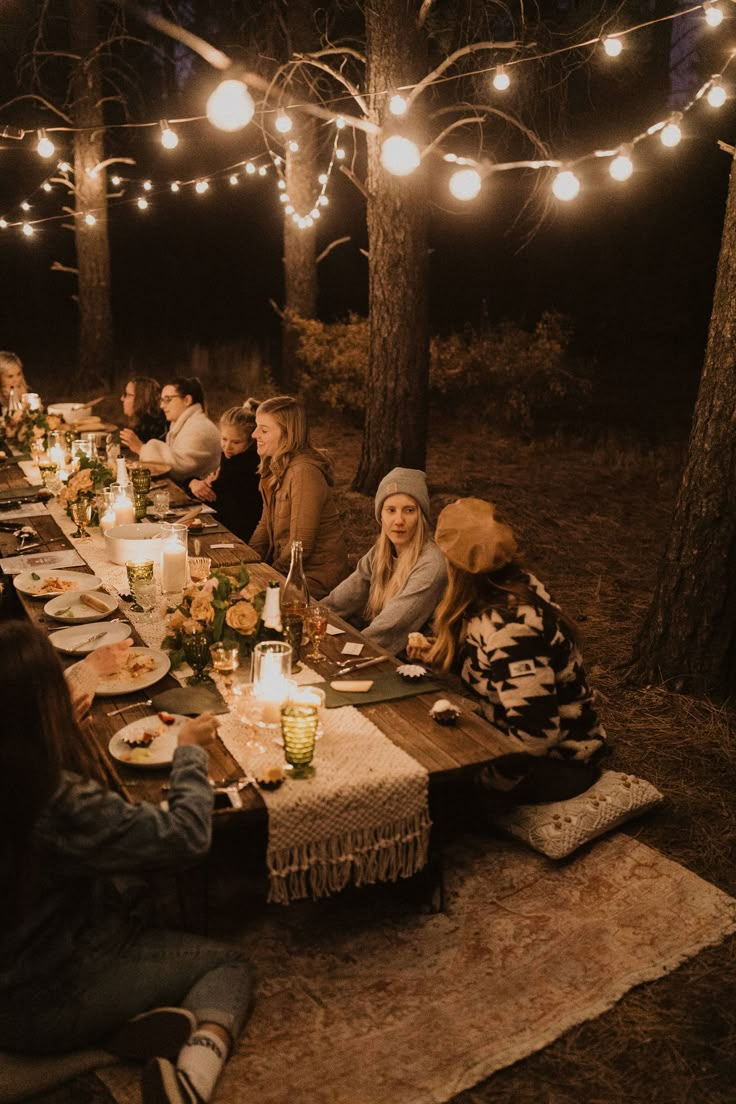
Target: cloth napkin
386,686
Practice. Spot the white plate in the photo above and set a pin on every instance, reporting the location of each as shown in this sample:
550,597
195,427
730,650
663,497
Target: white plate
159,754
66,607
69,640
30,582
125,684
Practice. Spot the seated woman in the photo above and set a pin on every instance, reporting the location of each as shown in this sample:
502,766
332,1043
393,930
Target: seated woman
192,445
11,375
298,504
80,963
141,399
396,586
516,650
233,489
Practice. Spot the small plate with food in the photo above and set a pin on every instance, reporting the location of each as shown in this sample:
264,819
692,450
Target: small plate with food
140,668
148,742
47,583
80,640
81,607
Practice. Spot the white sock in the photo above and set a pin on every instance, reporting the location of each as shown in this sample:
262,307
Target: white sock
201,1061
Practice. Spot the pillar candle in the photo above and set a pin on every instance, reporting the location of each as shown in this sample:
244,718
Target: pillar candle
124,511
173,567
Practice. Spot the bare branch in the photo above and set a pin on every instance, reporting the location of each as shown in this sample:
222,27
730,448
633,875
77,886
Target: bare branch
448,130
278,309
424,12
345,51
57,266
113,161
41,99
472,47
330,247
309,59
354,180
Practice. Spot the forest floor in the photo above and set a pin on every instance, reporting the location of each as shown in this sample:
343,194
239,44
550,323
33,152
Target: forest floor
591,522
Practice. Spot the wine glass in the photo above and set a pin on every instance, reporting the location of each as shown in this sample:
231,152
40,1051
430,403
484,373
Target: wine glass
145,594
226,660
316,625
81,511
248,709
196,649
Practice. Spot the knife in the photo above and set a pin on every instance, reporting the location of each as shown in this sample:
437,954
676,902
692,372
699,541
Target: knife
345,668
89,640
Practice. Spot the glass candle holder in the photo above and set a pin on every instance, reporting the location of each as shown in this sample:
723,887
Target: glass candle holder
161,500
138,572
140,504
199,568
174,568
123,506
196,647
140,477
299,731
271,670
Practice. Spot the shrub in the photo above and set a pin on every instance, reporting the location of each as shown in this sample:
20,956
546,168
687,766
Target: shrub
335,356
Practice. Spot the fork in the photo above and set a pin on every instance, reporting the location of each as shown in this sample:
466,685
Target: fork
349,665
90,640
133,705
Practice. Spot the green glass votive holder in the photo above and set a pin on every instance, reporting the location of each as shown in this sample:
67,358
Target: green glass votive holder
140,500
141,480
299,722
138,572
196,648
293,629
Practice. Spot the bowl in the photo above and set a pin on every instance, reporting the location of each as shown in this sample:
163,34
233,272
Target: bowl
70,412
138,542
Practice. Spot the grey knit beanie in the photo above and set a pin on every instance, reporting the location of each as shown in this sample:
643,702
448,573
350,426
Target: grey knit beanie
408,481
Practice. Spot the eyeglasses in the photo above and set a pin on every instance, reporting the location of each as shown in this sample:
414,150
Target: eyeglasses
128,394
168,398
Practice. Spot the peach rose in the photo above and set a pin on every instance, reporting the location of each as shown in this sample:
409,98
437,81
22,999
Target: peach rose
203,610
176,620
191,626
249,592
242,617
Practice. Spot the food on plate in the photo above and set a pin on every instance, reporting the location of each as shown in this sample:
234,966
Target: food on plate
418,640
137,664
411,671
139,755
52,583
144,739
352,686
166,718
93,601
270,778
444,712
195,523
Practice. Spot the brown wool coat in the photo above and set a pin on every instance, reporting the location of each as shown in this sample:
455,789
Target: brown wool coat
302,507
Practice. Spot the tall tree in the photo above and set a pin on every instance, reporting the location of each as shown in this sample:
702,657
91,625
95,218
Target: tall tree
688,638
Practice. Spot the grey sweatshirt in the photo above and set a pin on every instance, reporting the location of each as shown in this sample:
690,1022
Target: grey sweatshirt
408,612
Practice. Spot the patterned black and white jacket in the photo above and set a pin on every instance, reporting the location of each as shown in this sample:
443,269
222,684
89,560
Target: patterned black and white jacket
528,672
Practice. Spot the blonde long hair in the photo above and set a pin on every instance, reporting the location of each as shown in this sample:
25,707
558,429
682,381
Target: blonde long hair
390,572
241,418
291,418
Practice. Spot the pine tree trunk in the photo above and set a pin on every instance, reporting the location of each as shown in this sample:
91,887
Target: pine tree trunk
93,255
689,634
396,414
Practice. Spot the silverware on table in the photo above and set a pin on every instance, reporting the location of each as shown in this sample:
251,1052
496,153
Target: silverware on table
133,705
349,665
89,640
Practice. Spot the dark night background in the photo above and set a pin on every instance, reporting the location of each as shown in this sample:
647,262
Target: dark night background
631,265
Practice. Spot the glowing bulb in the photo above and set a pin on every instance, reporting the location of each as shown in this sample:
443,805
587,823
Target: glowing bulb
90,219
282,185
25,205
397,105
46,186
45,147
64,167
175,186
339,122
288,209
323,201
250,168
294,147
671,135
115,181
322,178
230,107
142,203
234,179
284,197
201,187
465,184
400,156
308,221
713,15
314,213
169,138
566,185
262,171
621,167
283,123
147,185
613,46
27,229
3,224
340,153
716,93
501,79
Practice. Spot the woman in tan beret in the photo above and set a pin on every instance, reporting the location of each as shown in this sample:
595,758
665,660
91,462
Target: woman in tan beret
517,652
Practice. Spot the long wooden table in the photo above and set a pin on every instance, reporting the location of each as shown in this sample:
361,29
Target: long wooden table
447,753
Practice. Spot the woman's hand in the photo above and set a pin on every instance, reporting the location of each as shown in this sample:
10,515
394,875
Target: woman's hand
199,730
201,489
108,659
81,703
131,440
417,650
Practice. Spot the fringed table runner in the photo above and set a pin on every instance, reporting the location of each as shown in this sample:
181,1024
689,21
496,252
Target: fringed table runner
363,817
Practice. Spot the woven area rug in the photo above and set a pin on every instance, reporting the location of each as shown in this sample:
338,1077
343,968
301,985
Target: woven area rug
369,1002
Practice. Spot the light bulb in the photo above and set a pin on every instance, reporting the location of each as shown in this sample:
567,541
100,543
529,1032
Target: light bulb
142,203
3,224
501,79
262,171
46,186
294,147
284,197
25,205
340,153
613,46
339,122
115,181
45,147
234,178
308,221
323,201
465,184
314,213
27,229
282,185
397,105
288,209
230,107
283,123
64,167
671,135
90,219
201,187
713,15
400,156
716,93
621,167
175,186
250,168
322,178
147,185
566,185
169,138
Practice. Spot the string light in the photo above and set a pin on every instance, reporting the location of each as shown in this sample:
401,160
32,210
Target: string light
64,167
250,168
262,170
175,186
169,137
339,122
284,197
234,178
142,203
716,96
147,186
45,147
399,156
294,147
322,178
46,186
3,224
465,184
501,79
566,185
713,14
230,107
27,229
671,134
283,123
340,153
622,166
25,205
201,187
115,181
397,105
90,219
612,45
323,200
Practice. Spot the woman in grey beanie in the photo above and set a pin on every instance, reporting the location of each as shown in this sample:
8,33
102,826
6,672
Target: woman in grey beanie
396,586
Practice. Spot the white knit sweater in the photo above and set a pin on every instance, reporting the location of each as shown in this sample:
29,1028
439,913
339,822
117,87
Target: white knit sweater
192,446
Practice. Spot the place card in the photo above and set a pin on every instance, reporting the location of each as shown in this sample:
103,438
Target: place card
333,630
13,565
31,472
352,648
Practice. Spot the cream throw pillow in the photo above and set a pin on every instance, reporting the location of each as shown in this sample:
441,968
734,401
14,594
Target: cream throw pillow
559,827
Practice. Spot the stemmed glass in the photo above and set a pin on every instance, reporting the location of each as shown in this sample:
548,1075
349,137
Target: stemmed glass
226,660
196,648
316,625
81,510
248,709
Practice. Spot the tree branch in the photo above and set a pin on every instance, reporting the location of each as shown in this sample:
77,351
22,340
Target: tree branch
472,47
330,247
351,88
57,266
354,180
448,130
424,12
41,99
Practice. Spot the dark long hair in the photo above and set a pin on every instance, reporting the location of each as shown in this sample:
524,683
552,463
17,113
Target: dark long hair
147,397
39,738
189,385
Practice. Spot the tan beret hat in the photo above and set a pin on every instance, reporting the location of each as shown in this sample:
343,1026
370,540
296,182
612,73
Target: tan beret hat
471,537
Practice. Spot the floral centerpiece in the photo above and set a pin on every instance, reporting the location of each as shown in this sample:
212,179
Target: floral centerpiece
227,606
90,478
20,429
